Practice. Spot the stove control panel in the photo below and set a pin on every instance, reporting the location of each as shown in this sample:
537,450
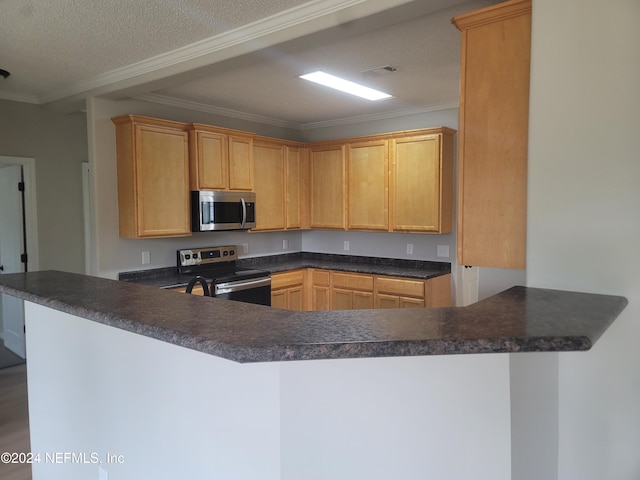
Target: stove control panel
208,255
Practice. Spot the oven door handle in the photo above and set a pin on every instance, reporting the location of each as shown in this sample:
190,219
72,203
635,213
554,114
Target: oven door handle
229,287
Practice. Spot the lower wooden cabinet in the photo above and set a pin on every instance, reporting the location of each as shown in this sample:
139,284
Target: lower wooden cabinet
317,289
320,287
351,291
287,290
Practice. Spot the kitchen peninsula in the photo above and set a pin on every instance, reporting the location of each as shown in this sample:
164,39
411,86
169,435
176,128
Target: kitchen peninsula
154,376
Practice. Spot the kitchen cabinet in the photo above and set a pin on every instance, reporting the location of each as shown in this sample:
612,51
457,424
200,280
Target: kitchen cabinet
287,290
269,174
368,185
320,287
221,158
153,177
398,181
398,292
281,175
492,151
351,291
327,196
296,186
422,182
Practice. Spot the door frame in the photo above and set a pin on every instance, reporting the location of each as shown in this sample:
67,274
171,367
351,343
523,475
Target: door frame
30,206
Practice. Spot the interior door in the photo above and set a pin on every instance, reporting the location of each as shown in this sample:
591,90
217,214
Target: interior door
11,242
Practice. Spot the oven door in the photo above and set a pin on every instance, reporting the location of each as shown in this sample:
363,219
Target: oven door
254,290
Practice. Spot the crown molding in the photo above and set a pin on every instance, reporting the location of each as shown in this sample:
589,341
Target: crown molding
227,112
405,112
19,97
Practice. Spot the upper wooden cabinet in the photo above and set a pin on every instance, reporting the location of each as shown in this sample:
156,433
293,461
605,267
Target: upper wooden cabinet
422,182
368,185
492,153
269,183
221,158
327,196
280,181
153,177
296,182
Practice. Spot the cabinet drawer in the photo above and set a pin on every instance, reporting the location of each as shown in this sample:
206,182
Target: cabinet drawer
320,277
399,286
287,279
352,281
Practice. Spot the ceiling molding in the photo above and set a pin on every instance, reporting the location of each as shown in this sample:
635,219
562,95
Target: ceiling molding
19,97
307,18
227,112
377,116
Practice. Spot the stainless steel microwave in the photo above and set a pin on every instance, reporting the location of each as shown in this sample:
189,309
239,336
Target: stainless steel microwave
214,210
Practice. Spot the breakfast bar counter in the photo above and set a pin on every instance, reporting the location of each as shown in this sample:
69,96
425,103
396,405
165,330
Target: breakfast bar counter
181,386
520,319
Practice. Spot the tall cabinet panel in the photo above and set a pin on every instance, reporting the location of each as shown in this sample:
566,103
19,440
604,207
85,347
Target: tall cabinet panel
327,187
269,185
153,177
368,186
492,154
422,183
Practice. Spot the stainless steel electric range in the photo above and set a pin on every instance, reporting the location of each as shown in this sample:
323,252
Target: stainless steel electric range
215,269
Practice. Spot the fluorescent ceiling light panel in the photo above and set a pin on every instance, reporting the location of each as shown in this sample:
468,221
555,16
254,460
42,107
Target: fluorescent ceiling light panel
344,85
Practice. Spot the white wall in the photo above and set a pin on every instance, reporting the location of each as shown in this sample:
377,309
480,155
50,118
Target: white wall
583,220
170,412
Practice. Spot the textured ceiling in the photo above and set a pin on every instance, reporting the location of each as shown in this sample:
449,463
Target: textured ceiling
239,55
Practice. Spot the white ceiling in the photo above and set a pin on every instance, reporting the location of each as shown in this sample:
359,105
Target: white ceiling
235,57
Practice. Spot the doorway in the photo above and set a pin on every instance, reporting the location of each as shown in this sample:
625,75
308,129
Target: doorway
18,241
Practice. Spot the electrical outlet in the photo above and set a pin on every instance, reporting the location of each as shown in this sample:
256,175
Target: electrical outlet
146,258
346,245
443,251
409,248
245,248
285,244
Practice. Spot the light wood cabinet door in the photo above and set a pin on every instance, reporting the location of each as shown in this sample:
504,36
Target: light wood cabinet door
492,152
240,163
287,290
221,158
153,177
422,184
269,186
209,160
327,201
368,186
319,284
394,292
351,291
296,187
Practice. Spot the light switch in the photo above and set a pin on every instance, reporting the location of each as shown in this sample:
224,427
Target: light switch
146,258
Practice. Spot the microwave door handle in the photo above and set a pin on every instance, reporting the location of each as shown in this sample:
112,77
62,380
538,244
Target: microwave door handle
244,212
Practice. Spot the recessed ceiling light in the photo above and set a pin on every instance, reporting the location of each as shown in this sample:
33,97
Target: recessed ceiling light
343,85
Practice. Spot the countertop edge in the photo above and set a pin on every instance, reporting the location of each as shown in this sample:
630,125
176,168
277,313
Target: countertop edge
521,319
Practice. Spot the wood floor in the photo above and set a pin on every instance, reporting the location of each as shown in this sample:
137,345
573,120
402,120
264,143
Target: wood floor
14,421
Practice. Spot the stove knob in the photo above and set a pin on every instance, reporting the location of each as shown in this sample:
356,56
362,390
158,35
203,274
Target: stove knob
225,253
232,252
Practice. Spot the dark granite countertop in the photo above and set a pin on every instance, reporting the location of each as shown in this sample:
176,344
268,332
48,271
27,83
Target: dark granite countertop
169,277
520,319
